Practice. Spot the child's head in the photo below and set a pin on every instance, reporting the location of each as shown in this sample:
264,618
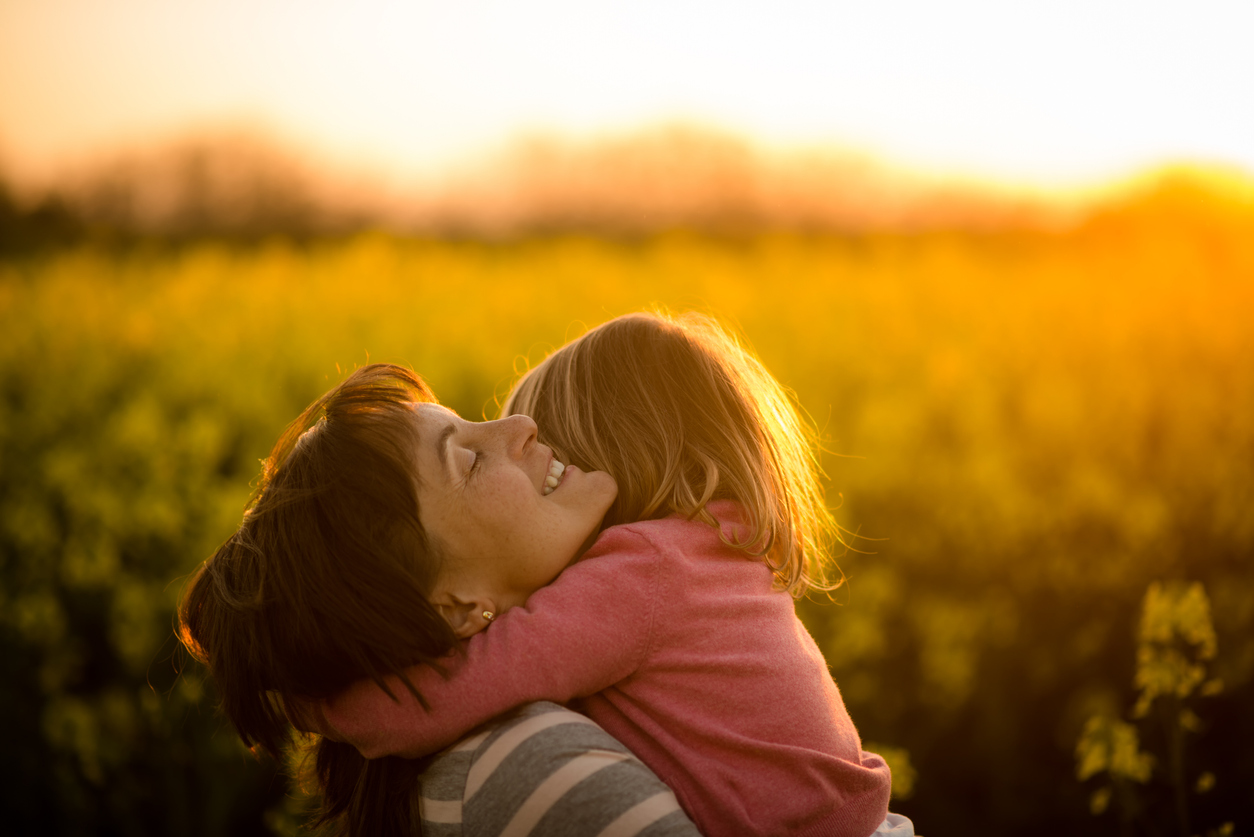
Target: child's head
679,413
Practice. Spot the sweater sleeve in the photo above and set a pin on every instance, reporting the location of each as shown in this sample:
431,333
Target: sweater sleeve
585,632
554,771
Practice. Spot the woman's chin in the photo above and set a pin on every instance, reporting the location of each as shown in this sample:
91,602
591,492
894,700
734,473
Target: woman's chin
600,484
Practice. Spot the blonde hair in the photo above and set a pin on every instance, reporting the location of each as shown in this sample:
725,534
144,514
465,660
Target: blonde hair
681,414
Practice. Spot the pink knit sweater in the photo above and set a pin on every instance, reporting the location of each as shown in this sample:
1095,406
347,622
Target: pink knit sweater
676,645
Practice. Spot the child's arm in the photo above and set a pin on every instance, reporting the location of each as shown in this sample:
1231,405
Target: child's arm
586,631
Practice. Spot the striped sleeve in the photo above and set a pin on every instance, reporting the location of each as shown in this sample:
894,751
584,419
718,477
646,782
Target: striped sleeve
546,772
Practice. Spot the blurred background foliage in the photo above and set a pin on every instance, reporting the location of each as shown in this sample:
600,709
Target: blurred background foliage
1026,426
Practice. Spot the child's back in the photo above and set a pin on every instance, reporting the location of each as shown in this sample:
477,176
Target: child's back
732,704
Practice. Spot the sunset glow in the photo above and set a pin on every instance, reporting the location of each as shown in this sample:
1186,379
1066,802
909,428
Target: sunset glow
1041,93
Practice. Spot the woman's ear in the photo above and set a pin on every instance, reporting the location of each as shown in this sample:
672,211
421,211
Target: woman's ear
465,617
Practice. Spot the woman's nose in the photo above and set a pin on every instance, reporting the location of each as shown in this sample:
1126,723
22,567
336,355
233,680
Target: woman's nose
519,431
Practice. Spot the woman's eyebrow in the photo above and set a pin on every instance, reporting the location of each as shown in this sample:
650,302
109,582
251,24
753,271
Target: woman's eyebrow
441,445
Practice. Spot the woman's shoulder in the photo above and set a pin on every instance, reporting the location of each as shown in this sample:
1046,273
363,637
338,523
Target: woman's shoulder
548,765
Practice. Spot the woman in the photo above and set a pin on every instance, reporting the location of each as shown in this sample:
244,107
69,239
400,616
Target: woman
333,577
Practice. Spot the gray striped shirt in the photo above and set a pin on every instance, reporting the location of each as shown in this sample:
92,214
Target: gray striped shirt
546,771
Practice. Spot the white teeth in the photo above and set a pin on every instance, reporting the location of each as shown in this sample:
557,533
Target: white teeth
553,478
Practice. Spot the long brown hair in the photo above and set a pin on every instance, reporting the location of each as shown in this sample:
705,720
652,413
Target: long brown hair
680,413
326,582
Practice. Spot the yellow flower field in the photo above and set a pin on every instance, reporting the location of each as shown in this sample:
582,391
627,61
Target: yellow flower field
1023,431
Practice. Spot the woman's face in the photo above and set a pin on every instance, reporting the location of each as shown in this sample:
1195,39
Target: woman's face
481,500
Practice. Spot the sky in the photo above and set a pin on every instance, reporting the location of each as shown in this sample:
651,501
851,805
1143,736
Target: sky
1053,91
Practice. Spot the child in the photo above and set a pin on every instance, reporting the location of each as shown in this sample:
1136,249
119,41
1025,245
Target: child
675,631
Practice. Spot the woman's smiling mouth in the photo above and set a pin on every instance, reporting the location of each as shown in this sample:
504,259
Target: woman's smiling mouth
554,477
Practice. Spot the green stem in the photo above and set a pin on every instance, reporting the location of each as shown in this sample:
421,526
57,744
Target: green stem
1175,738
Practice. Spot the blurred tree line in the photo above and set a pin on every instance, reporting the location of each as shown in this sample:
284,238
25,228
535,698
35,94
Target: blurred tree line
241,187
231,186
46,225
1025,428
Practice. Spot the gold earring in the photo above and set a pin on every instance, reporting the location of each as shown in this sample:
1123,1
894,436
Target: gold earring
488,616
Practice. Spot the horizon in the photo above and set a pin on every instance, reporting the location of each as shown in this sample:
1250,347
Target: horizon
664,177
